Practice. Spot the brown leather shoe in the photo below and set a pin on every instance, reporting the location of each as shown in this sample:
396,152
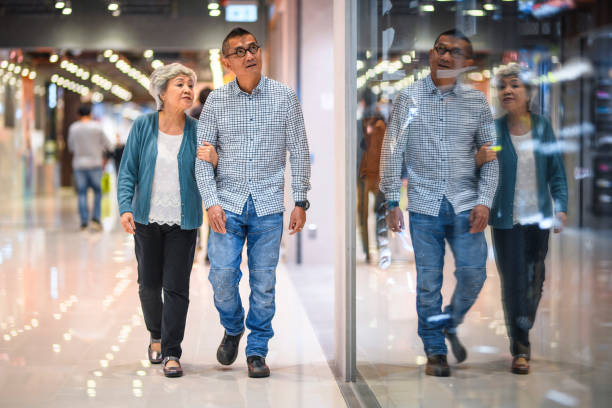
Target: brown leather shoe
437,366
520,365
172,371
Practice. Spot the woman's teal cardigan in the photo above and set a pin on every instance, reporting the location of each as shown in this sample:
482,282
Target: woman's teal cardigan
137,169
550,173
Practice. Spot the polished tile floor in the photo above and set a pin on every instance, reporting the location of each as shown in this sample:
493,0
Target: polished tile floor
571,339
72,333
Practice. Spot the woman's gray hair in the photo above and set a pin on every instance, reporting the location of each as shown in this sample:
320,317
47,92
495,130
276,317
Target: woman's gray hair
525,76
160,77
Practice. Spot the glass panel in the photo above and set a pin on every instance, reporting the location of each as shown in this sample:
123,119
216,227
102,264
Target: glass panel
506,121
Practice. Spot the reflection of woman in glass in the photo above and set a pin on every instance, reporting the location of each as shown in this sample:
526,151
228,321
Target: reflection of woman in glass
532,183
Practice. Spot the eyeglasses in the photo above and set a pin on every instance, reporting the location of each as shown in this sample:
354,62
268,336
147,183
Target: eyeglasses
454,52
241,52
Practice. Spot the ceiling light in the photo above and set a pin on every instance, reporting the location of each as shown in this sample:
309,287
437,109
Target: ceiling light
113,6
11,67
156,64
113,58
25,72
108,53
428,8
67,11
116,13
489,6
32,75
475,13
17,69
4,64
53,58
214,13
59,4
148,54
213,5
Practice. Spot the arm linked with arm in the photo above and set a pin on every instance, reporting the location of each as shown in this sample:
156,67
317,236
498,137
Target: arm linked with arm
204,171
299,154
489,172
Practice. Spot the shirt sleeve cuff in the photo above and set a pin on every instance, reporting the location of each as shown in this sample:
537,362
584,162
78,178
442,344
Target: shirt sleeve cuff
210,202
486,201
299,196
393,196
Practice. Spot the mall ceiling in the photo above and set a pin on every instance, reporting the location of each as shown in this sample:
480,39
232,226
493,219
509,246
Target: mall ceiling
141,32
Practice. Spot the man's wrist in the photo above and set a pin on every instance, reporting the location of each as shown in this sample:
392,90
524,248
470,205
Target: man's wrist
390,204
304,204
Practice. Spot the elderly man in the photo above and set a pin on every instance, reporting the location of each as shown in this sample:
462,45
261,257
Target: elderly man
437,122
251,122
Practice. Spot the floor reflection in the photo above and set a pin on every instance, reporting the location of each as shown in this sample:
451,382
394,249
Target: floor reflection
571,339
72,332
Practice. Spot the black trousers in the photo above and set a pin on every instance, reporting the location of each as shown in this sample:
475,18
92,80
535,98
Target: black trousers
165,257
520,253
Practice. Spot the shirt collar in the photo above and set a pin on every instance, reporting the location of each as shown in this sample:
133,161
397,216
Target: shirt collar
432,88
258,89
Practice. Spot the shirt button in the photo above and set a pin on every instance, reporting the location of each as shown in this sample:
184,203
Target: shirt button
251,119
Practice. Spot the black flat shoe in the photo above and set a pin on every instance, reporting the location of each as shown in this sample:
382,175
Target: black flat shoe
458,350
437,366
257,367
172,372
155,357
228,349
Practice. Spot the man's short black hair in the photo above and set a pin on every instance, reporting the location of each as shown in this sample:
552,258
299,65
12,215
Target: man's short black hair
236,32
85,109
204,95
457,34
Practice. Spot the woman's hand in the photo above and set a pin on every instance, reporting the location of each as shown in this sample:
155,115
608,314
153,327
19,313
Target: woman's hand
485,154
207,152
127,222
561,220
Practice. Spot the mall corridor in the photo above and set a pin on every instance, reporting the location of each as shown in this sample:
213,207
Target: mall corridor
73,333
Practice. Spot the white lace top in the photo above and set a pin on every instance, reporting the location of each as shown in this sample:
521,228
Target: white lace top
526,209
165,192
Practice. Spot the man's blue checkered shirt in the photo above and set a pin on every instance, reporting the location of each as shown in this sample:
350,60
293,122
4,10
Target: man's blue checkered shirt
252,134
436,136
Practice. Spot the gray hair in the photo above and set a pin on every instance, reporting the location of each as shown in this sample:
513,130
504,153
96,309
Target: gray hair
523,75
160,77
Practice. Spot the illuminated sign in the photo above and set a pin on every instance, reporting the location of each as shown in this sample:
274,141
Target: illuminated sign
241,13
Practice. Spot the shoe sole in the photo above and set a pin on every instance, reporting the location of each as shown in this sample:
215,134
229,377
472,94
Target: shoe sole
259,375
173,375
438,372
520,371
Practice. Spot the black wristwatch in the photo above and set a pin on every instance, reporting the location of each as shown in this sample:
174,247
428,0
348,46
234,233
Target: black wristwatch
305,205
389,205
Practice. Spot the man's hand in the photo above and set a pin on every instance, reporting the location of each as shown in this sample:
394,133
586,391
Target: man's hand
216,218
395,220
297,220
561,220
127,222
479,218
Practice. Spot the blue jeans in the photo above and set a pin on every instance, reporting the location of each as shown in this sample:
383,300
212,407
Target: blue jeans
263,237
470,252
85,178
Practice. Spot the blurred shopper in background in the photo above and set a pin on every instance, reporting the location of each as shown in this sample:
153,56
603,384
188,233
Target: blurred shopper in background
531,199
89,145
160,205
374,127
196,110
252,122
434,126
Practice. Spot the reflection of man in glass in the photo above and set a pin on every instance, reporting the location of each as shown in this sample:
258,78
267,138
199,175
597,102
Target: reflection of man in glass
373,125
435,123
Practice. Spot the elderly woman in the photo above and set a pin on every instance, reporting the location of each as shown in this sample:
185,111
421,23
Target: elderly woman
160,205
531,198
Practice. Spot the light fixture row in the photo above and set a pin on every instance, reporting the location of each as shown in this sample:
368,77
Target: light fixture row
214,8
124,66
18,69
70,85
